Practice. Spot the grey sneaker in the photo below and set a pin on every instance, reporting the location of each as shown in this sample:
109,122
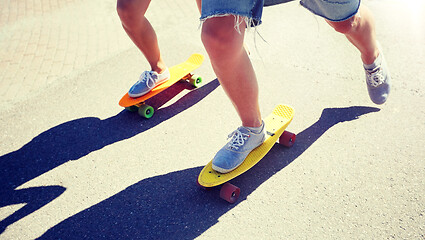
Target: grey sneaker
242,142
147,81
378,80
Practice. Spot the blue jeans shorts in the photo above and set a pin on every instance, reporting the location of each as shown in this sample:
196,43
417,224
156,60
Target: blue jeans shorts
332,10
251,10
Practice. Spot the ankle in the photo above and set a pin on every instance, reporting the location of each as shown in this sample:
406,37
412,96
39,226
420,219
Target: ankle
376,63
253,124
369,58
256,130
159,67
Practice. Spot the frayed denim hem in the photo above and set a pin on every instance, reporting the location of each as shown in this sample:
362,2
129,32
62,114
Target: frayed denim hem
239,19
325,15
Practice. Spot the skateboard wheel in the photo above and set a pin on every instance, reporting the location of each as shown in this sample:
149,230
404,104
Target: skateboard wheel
146,111
132,108
230,192
195,80
287,139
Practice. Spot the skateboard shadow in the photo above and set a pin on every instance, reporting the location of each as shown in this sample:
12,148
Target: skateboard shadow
172,206
75,139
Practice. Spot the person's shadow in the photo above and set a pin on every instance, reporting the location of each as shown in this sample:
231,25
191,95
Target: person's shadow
75,139
172,206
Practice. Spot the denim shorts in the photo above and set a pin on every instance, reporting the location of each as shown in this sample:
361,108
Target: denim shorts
333,10
251,10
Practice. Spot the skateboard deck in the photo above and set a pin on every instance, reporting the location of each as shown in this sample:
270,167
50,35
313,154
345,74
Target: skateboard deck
276,124
178,72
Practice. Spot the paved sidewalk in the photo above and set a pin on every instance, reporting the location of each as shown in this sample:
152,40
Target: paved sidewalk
43,41
75,165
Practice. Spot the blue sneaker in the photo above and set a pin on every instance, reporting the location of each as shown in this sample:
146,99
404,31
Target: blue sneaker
147,81
243,141
378,80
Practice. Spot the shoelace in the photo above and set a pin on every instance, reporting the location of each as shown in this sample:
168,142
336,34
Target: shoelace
375,77
149,77
238,139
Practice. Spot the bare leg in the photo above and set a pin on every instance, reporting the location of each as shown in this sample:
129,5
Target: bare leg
199,4
141,32
138,28
360,31
233,67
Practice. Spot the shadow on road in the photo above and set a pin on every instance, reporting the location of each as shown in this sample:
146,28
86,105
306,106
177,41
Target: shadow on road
75,139
171,206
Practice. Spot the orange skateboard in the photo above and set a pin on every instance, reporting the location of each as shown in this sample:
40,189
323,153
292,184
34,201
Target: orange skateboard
178,72
276,124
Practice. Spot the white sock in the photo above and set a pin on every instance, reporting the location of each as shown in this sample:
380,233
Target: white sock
375,64
256,129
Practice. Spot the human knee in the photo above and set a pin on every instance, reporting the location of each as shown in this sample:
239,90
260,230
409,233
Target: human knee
126,9
220,35
346,26
211,37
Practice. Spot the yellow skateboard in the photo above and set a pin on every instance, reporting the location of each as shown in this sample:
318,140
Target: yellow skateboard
276,124
178,72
